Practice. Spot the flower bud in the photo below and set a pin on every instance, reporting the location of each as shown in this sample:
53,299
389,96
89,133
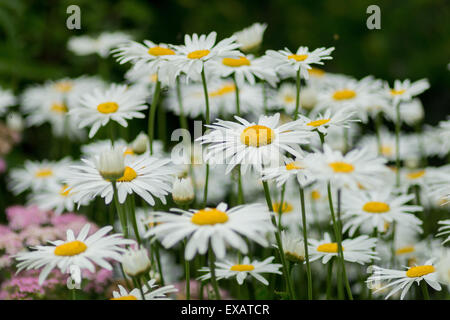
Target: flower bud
183,191
135,262
139,145
111,164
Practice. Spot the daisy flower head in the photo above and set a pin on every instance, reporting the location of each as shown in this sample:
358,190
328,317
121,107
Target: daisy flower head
253,144
7,99
379,207
285,61
149,294
404,91
118,103
250,38
356,169
404,279
82,251
196,50
38,175
321,122
217,227
293,247
227,269
101,44
144,175
292,167
411,112
359,250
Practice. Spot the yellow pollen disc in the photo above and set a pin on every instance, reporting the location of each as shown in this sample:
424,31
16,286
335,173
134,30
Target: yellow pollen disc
128,175
128,152
71,248
130,297
197,54
59,108
298,57
286,208
64,191
292,166
43,173
289,98
344,94
318,123
236,62
257,136
397,92
404,250
107,107
419,271
209,217
228,88
329,247
63,86
376,207
341,167
160,51
154,77
416,175
316,72
242,267
386,150
315,195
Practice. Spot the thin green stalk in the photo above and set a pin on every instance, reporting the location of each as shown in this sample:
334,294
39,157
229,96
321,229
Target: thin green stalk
329,278
240,190
151,118
236,90
279,243
398,125
425,293
158,262
305,241
378,121
212,267
183,121
188,276
280,208
132,216
120,211
297,97
139,282
205,190
205,93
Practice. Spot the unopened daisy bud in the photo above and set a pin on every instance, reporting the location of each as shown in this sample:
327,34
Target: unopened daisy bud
183,191
139,145
135,262
111,164
14,122
293,247
308,98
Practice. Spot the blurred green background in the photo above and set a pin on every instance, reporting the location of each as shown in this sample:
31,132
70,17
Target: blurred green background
414,40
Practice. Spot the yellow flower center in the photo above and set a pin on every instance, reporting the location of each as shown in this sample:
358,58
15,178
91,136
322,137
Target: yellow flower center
107,107
293,166
416,174
344,94
64,190
316,72
397,92
128,175
59,108
236,62
228,88
318,123
63,86
285,208
161,51
298,57
419,271
315,195
386,150
130,297
376,207
242,267
128,152
341,167
289,98
71,248
257,136
43,173
404,250
154,77
197,54
209,217
329,247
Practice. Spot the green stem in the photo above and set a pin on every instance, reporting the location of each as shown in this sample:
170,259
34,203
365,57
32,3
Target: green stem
305,241
212,267
240,190
297,97
205,92
205,190
378,121
329,278
158,262
120,211
425,293
279,243
139,282
151,118
132,217
398,125
188,276
183,121
236,90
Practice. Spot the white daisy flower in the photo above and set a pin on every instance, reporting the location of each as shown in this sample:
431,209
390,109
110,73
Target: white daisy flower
251,144
404,279
219,226
340,119
146,176
293,247
38,175
286,61
101,44
135,294
250,38
406,90
118,103
378,207
357,168
7,99
290,168
83,251
196,50
411,112
359,249
227,269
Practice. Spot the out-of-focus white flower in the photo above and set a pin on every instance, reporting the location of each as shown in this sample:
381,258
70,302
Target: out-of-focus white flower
251,37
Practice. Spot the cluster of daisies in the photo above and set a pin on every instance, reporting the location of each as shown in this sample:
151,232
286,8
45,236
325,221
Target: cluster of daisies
302,184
